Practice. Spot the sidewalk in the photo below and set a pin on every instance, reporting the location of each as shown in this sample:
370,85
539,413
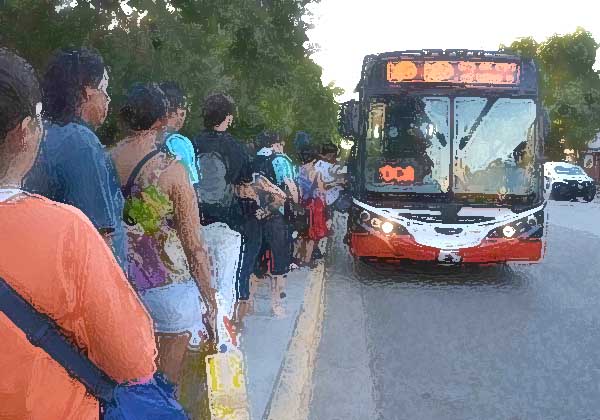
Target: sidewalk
278,353
272,347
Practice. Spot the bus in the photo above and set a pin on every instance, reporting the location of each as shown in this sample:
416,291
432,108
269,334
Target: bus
447,162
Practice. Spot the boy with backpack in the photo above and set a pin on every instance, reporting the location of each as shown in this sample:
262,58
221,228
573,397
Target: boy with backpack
277,167
228,194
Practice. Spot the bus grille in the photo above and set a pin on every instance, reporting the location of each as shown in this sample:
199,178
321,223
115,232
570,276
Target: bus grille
429,218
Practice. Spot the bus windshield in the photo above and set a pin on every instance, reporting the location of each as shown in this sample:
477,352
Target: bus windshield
494,146
408,146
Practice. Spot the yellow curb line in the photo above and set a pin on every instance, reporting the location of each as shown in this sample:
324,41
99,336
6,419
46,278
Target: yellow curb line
293,390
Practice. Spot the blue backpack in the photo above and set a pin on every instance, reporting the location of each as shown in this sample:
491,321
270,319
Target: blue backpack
283,168
153,400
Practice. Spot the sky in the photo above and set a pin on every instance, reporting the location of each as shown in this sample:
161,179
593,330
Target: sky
347,30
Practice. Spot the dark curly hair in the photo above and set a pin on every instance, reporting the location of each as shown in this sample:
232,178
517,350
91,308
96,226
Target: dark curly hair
174,94
145,104
19,91
308,153
67,75
216,108
267,138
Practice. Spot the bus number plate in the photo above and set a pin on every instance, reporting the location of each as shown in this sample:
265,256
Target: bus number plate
449,256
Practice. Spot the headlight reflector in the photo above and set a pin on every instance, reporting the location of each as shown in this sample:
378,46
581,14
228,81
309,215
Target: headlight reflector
508,231
387,227
365,216
530,227
363,220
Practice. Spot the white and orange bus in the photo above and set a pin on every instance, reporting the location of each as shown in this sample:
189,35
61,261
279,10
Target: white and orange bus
447,164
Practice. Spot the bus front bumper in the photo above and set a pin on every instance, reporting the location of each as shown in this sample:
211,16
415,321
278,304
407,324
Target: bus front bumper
404,247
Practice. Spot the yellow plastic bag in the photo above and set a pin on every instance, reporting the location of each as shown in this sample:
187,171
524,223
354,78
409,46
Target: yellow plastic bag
227,395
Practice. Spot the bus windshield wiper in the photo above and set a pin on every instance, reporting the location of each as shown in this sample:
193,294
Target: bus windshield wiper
486,109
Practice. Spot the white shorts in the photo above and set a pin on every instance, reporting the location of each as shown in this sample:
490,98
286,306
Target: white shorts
223,246
176,308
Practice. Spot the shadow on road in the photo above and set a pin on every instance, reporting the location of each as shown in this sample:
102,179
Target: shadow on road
433,275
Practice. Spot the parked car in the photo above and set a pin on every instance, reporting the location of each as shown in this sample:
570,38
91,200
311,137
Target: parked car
565,181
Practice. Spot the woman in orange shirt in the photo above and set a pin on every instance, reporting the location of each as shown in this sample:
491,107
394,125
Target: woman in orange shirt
52,256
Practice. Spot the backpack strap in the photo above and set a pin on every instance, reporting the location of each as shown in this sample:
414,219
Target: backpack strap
314,185
42,332
136,171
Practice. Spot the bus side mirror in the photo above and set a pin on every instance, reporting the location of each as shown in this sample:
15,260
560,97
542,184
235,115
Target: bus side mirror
348,126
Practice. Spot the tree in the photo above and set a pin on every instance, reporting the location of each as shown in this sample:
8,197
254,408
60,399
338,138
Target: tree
570,87
254,51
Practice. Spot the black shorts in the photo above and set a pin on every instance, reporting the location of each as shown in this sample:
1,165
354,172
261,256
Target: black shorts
277,238
251,231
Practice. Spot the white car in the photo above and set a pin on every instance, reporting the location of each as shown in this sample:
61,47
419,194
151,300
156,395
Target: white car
565,181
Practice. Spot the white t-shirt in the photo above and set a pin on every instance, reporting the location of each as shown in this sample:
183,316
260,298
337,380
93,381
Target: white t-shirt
328,171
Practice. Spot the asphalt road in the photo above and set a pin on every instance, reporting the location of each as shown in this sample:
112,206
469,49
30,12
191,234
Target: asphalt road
521,342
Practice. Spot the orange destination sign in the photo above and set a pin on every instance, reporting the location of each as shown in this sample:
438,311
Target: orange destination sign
467,72
389,173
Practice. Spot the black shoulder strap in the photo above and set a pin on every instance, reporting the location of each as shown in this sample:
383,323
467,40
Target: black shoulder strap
315,183
42,332
136,171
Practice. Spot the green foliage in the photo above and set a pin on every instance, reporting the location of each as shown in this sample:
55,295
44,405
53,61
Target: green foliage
252,50
569,85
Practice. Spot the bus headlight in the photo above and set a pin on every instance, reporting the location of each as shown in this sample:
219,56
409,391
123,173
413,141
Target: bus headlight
387,227
530,227
363,219
509,231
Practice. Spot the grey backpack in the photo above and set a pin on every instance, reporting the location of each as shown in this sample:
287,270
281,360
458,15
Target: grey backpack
213,187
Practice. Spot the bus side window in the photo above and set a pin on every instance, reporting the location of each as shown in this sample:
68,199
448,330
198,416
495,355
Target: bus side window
375,130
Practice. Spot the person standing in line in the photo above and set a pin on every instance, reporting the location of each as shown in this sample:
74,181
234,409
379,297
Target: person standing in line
228,193
223,244
328,169
277,167
179,145
311,188
52,255
72,166
163,225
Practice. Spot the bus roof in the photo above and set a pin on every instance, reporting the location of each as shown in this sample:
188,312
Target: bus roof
452,54
449,69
